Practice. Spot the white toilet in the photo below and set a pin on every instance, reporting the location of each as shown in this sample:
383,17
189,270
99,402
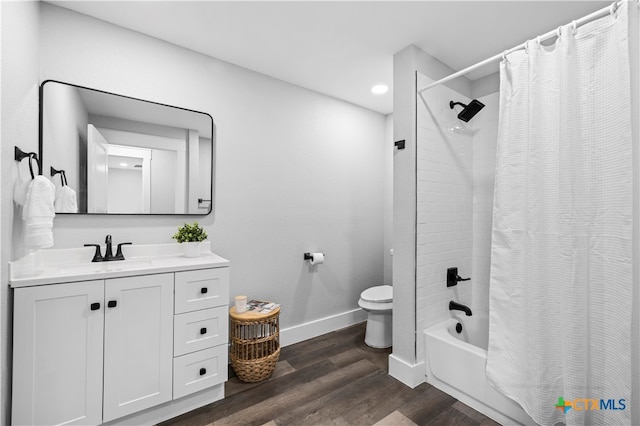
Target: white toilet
378,302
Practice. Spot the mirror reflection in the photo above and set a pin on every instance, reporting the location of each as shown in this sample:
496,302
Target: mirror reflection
123,155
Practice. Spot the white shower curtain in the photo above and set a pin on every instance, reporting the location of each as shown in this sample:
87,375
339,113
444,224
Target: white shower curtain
561,259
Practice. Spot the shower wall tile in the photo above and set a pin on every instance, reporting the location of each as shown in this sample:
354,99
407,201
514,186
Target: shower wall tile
445,201
455,177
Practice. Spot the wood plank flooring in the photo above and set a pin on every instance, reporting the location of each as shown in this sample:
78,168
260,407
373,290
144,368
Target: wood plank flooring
334,379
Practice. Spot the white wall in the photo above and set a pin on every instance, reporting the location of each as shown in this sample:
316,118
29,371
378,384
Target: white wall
163,181
404,207
19,126
296,171
388,201
204,183
66,118
125,190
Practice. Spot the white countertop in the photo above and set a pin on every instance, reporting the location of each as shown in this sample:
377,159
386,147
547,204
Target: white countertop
52,266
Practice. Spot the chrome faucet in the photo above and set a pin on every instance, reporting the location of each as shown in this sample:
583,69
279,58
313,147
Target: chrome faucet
459,307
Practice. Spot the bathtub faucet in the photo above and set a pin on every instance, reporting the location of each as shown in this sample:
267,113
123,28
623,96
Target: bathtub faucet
459,307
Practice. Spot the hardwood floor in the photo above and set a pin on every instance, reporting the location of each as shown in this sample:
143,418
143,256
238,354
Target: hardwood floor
334,379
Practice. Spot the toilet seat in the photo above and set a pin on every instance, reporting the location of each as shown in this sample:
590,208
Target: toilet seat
378,303
377,299
378,294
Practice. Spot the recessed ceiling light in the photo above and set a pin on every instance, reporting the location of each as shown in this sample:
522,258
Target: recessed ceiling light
379,89
123,164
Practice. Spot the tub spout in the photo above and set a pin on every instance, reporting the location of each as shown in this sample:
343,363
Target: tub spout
459,307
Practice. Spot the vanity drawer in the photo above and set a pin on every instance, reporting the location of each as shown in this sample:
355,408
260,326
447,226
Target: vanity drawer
201,289
199,370
199,330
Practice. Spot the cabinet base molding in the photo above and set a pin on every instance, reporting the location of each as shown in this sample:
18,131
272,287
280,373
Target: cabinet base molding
173,408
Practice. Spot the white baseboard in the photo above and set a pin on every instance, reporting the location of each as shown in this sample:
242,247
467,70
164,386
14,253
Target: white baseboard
411,375
308,330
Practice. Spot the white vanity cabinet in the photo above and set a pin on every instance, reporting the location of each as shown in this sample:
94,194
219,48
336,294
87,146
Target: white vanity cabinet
138,344
57,347
135,347
68,337
201,330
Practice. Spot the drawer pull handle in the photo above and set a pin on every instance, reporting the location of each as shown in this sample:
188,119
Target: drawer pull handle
204,290
112,303
203,330
203,371
95,306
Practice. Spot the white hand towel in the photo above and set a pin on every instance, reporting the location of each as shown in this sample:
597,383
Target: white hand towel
20,190
66,200
38,213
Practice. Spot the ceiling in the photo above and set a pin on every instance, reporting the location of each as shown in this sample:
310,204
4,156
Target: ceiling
340,48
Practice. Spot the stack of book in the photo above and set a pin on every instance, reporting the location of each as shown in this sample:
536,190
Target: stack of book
261,306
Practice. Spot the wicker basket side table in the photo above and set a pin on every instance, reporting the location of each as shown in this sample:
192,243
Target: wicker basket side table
255,344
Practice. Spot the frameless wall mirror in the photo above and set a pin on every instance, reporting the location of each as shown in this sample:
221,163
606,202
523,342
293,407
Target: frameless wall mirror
123,155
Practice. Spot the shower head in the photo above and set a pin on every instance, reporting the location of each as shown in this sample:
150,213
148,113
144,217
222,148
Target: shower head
468,111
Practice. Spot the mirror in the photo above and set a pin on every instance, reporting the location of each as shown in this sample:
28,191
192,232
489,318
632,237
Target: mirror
122,155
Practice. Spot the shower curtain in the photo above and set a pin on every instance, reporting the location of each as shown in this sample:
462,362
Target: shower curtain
561,258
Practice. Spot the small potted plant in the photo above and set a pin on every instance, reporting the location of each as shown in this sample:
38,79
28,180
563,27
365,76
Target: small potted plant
191,235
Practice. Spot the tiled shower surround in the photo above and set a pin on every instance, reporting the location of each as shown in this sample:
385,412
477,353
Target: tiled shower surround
455,172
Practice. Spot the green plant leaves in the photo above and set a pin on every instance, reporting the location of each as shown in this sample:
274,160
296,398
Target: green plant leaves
190,233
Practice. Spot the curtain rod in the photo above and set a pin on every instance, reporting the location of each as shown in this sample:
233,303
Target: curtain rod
593,16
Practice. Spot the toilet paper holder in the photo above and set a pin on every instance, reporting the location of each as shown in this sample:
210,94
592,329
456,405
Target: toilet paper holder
309,256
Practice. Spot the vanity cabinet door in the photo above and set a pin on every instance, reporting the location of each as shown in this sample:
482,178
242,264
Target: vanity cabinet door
57,354
138,343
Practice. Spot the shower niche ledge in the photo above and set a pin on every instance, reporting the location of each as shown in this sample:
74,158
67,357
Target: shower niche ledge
135,341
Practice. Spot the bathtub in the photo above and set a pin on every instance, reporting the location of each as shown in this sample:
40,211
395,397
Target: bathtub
455,363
